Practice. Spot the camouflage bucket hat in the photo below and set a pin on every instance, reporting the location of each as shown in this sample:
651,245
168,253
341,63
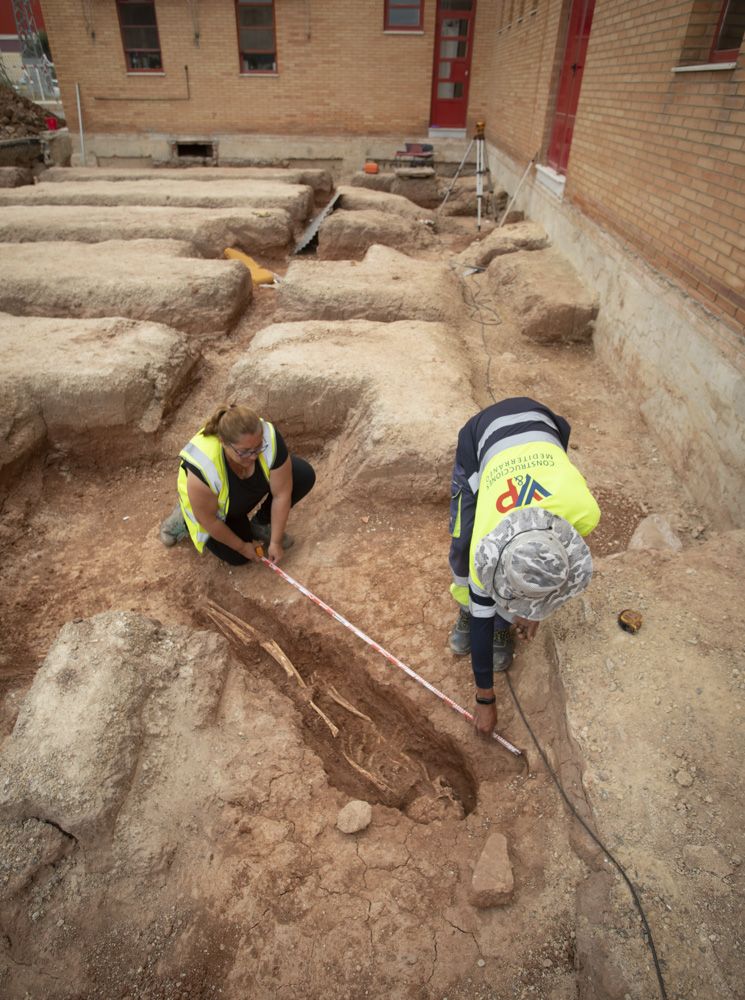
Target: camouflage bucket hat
532,563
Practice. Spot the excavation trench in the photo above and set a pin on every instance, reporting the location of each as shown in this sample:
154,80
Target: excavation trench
83,519
385,750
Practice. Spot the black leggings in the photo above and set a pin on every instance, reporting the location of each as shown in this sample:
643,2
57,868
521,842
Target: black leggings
303,479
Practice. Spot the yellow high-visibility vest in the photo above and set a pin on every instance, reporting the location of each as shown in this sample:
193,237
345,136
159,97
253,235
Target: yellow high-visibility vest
525,475
539,473
205,452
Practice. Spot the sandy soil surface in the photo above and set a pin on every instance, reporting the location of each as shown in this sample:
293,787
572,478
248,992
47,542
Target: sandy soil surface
225,874
154,280
319,180
209,231
297,200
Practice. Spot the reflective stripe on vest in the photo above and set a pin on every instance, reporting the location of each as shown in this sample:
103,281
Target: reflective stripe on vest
268,447
205,452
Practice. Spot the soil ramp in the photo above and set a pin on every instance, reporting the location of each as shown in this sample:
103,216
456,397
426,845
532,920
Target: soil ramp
296,200
145,279
208,231
386,286
85,379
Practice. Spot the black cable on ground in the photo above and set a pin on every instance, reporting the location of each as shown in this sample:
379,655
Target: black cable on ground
596,840
477,309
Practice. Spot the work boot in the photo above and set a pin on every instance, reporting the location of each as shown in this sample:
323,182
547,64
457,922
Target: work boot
502,649
460,637
263,533
173,529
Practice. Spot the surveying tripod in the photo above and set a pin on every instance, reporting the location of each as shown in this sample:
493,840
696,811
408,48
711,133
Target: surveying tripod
481,169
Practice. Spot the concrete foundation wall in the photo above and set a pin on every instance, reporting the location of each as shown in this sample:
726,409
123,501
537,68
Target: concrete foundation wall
342,155
684,367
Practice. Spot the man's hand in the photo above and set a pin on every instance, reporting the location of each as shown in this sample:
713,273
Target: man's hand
485,716
485,719
275,552
525,629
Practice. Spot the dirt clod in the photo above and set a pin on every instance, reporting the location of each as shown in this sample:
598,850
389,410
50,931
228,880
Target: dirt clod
355,816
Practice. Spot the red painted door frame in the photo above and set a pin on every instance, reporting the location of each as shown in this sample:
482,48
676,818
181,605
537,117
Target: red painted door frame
570,83
451,73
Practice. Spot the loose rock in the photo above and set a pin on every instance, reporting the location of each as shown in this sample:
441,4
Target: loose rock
493,882
355,816
654,532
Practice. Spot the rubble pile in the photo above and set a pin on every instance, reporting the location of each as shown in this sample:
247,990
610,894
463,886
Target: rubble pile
21,118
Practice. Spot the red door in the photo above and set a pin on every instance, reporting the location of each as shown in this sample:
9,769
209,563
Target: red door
570,81
452,69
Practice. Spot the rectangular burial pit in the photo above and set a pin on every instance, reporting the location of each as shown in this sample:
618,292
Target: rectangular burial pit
138,279
297,200
375,744
208,231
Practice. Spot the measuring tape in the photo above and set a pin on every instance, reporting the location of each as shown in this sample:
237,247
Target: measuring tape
384,652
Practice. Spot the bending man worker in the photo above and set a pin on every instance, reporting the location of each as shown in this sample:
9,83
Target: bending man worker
518,513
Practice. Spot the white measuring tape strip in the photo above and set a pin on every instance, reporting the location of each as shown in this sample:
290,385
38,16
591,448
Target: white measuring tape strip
384,652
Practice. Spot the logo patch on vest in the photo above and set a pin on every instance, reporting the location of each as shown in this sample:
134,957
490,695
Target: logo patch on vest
521,492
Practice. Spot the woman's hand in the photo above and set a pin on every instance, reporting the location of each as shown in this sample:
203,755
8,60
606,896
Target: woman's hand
275,552
249,551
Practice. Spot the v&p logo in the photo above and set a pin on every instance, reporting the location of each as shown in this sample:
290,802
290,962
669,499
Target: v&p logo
521,492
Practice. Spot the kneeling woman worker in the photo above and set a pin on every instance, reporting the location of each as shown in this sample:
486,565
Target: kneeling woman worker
236,461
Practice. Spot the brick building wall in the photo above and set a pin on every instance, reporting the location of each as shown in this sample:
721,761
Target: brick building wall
659,157
338,71
515,71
